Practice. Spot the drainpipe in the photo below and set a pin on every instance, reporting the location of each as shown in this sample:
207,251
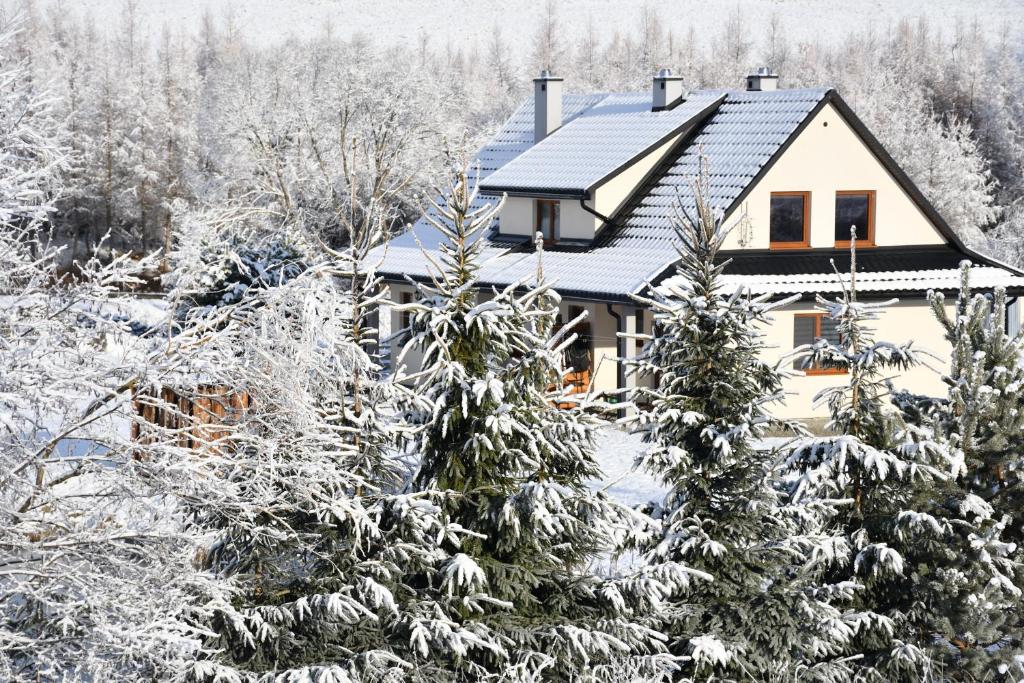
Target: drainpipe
1015,315
620,379
594,212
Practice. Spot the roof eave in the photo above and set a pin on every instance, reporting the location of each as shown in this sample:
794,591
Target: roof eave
538,193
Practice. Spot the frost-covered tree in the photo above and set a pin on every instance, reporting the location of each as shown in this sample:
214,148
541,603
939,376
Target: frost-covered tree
223,255
308,533
334,573
512,468
937,576
82,524
981,414
766,613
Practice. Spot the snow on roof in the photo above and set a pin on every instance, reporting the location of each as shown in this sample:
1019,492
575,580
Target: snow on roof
738,139
596,144
403,254
746,130
944,279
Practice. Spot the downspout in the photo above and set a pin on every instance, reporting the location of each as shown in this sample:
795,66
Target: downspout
594,212
1006,323
620,378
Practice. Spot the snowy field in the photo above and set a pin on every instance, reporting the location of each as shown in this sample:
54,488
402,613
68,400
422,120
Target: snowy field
461,21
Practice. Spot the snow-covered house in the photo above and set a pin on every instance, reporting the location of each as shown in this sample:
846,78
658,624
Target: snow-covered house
597,174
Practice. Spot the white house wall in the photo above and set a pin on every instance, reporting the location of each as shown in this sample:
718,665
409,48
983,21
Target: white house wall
828,156
613,193
518,216
910,320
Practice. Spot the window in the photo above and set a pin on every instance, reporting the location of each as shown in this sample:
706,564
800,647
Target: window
404,317
809,327
790,220
547,219
578,357
855,208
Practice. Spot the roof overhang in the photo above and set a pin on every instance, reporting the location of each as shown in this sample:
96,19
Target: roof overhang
548,193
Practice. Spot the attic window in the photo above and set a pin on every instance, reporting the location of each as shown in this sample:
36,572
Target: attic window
546,222
808,328
855,208
790,220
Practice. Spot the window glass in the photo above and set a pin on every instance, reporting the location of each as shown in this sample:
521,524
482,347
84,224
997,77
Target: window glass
547,219
853,210
829,330
804,329
808,328
405,317
787,219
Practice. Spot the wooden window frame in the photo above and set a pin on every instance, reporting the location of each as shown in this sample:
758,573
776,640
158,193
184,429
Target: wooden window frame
806,242
870,240
818,317
554,211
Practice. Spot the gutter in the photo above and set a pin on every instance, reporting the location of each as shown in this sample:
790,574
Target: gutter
604,219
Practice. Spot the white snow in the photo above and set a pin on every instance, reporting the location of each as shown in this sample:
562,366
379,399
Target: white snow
617,450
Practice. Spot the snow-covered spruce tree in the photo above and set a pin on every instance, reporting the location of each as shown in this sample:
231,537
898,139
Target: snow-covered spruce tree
334,574
982,413
766,614
981,417
307,532
937,576
512,467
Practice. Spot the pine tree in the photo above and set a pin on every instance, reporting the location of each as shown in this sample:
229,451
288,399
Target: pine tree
335,574
766,612
512,468
936,574
313,542
981,417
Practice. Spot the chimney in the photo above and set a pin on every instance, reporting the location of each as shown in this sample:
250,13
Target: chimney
668,90
547,105
762,80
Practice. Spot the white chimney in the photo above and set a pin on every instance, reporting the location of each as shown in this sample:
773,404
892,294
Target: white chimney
547,105
762,80
668,90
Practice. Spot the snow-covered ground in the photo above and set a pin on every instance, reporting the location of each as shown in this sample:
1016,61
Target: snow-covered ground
617,450
469,21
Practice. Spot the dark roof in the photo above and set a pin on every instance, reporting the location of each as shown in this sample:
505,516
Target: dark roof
882,271
800,261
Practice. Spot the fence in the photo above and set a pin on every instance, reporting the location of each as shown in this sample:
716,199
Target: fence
198,418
